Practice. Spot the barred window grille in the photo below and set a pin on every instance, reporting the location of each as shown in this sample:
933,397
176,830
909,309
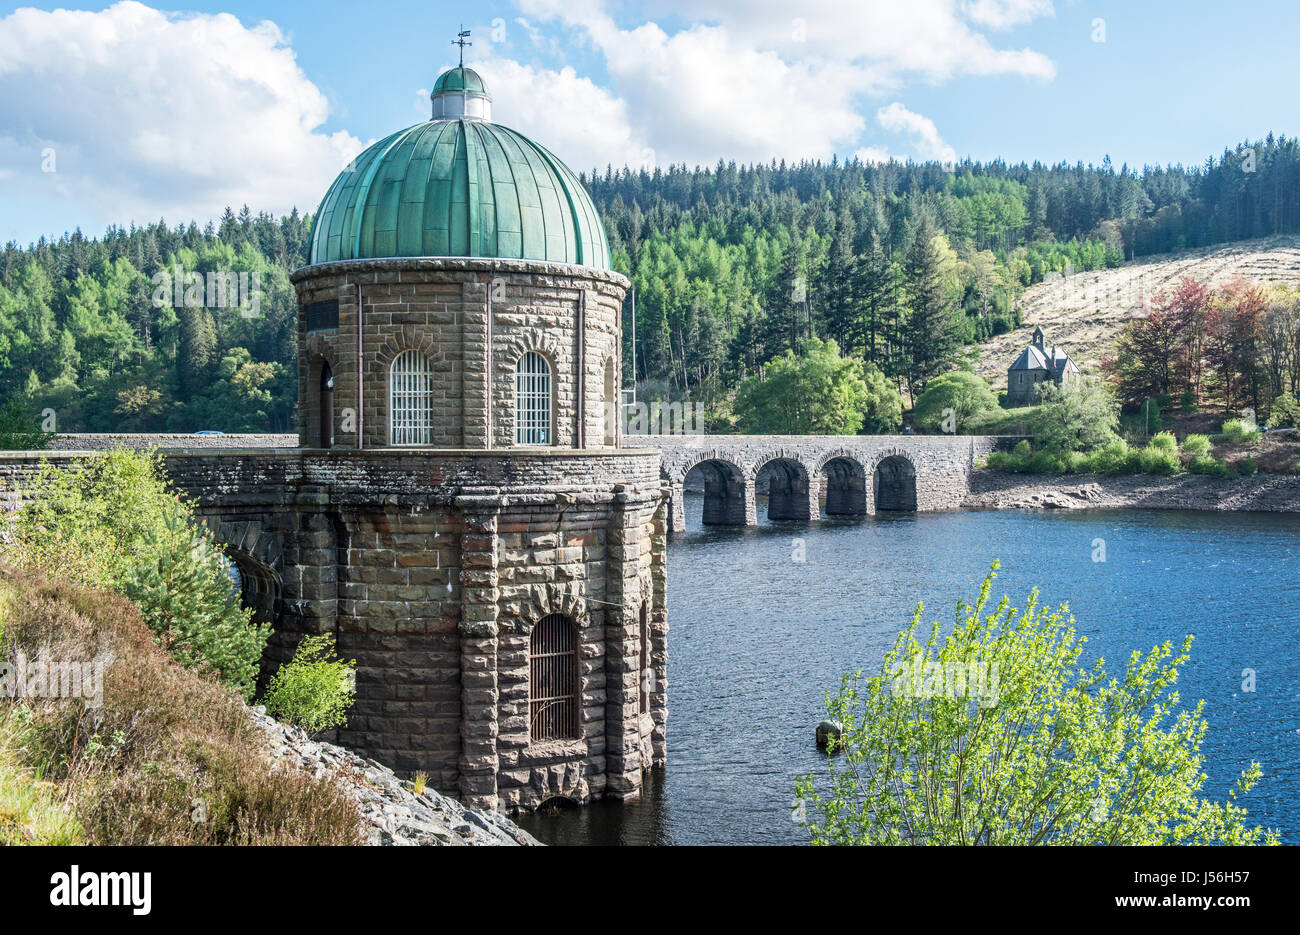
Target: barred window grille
646,673
411,399
553,679
533,400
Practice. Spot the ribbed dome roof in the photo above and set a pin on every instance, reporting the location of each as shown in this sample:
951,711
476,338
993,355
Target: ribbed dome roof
460,79
460,187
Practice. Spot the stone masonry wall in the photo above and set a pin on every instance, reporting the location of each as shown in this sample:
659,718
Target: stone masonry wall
431,569
441,307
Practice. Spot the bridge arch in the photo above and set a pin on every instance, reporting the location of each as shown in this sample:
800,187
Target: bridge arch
791,493
845,482
260,587
728,493
893,480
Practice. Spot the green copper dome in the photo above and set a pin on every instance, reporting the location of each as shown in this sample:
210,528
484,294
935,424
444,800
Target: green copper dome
458,187
460,79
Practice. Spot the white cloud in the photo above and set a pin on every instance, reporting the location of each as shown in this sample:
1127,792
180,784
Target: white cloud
924,134
154,114
1003,14
582,123
759,79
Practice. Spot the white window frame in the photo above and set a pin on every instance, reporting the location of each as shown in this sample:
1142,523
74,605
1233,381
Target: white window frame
410,400
534,401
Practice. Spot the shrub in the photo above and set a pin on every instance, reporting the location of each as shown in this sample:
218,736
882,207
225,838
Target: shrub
168,757
1112,458
315,689
1247,465
1076,418
1040,750
111,522
1076,462
1285,412
1196,446
1159,460
186,598
1187,402
965,394
1204,464
1045,462
1164,441
1240,432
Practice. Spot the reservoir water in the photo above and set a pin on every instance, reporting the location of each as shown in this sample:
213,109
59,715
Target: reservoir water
757,638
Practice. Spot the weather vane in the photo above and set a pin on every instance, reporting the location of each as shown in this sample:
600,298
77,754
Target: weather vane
462,40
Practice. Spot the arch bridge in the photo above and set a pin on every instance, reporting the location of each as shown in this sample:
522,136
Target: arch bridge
855,475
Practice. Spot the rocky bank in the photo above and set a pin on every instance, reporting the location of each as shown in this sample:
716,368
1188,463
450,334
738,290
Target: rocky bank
394,814
1273,493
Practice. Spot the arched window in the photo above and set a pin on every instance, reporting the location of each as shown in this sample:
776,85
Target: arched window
410,390
326,406
553,679
533,400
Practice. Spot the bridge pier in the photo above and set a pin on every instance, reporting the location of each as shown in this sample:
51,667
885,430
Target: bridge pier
792,498
677,508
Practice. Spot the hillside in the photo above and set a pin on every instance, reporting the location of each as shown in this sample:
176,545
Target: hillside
1085,312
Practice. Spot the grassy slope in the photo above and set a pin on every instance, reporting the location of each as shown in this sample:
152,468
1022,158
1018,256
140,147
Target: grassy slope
171,756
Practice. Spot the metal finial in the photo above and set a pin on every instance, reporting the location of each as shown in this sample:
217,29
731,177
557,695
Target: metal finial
462,40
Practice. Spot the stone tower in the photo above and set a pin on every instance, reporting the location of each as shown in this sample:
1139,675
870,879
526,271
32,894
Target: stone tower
476,537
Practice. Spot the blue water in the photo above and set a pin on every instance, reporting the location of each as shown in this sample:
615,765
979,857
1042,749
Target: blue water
757,638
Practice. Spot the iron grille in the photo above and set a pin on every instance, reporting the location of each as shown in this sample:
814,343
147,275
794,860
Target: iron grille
533,400
323,315
411,399
645,659
553,679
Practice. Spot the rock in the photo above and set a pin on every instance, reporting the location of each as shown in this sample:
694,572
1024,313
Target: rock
395,816
826,730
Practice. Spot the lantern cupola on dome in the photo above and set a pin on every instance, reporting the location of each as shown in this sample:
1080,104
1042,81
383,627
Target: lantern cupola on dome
459,185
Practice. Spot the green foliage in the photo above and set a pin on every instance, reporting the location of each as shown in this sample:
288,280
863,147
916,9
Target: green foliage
1026,747
1247,465
1164,441
19,429
110,521
816,392
1285,412
186,598
1240,432
1081,417
1204,464
966,394
1196,446
91,329
1116,457
314,689
883,412
160,756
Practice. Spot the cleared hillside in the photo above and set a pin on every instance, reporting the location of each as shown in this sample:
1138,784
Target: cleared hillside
1084,312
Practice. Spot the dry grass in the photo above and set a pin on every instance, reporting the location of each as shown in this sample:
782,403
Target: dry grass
1085,312
170,757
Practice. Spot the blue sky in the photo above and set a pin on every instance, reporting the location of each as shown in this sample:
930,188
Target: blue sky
128,112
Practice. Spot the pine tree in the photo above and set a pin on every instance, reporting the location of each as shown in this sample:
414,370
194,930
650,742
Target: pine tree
931,336
840,312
